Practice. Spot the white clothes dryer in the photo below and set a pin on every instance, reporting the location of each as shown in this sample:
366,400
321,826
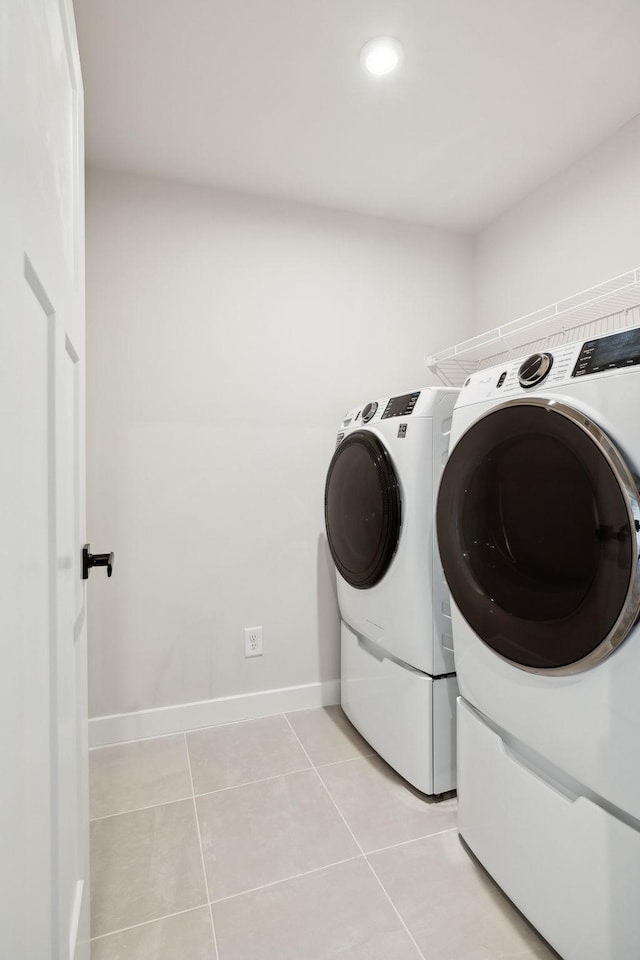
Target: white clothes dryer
538,521
398,683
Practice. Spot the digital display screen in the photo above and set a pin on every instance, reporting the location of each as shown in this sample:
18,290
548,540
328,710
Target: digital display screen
619,350
401,406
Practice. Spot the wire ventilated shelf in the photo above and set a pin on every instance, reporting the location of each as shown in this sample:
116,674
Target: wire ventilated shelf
602,309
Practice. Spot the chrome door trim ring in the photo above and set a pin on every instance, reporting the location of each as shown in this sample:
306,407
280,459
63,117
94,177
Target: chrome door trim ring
631,606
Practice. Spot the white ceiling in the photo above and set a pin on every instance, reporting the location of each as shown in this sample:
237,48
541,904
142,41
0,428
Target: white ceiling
267,97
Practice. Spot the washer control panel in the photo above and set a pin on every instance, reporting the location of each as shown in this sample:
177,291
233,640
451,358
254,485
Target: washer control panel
401,406
608,353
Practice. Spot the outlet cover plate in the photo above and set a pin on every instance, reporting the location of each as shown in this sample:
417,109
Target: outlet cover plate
253,641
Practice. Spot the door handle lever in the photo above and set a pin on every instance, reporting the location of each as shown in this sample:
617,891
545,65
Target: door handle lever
90,560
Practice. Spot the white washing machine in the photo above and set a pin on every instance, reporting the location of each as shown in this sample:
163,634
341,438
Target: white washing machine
538,522
398,684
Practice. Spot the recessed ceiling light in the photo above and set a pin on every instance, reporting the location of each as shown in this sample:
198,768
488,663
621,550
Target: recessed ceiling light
381,55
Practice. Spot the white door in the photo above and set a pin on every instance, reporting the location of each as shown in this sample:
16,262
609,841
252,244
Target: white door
43,710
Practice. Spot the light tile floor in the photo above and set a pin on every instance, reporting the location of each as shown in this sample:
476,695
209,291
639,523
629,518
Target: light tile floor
284,838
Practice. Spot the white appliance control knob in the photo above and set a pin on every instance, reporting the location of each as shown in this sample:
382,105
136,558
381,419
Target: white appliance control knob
369,411
534,369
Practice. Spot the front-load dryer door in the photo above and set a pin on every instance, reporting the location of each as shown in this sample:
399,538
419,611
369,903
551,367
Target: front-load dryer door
362,509
538,522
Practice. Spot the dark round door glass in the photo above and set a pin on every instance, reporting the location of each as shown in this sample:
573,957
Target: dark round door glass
362,509
535,537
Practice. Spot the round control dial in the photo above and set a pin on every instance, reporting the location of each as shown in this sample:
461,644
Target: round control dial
534,369
369,411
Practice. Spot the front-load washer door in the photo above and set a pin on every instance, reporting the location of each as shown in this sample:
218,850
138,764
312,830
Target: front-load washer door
538,522
362,509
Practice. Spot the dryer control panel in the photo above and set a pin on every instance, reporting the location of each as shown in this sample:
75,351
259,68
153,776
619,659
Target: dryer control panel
608,353
564,364
507,380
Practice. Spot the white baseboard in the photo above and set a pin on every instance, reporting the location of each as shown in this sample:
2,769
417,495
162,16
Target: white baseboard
207,713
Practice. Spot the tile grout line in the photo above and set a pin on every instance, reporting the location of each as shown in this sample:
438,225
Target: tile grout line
206,793
334,763
403,843
204,869
146,923
125,743
294,876
149,806
212,726
176,733
250,783
180,733
355,840
395,909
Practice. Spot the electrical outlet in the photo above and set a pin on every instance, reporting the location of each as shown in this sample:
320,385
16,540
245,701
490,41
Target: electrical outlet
253,641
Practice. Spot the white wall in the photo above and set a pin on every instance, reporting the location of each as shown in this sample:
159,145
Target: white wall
226,337
579,229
